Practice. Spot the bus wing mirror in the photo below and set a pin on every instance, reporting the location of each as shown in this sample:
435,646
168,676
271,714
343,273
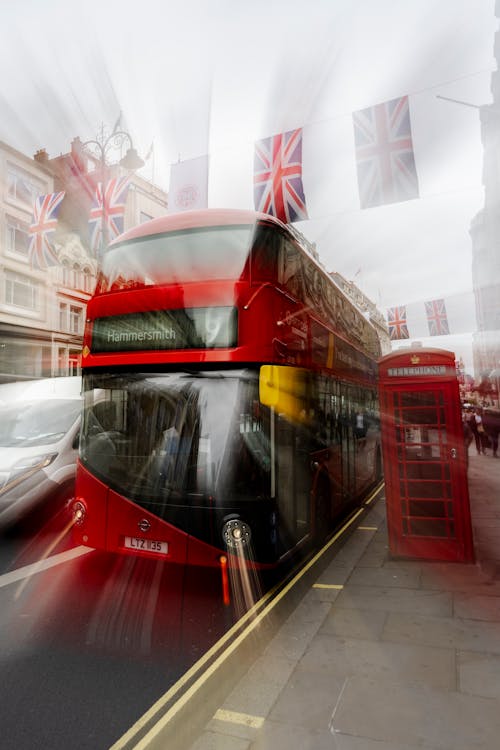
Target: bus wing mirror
284,388
269,385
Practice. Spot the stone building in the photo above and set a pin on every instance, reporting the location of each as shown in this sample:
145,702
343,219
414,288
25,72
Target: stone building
485,233
42,312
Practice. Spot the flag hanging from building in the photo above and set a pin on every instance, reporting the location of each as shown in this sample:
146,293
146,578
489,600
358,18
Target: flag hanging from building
188,188
41,252
396,320
278,188
107,212
384,154
437,320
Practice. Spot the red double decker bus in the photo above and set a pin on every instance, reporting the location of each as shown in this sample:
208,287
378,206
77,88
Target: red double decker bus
230,395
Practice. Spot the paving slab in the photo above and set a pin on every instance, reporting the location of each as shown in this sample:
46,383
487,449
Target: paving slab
258,692
343,657
395,599
398,577
442,632
277,736
431,719
355,623
479,674
308,699
214,741
476,606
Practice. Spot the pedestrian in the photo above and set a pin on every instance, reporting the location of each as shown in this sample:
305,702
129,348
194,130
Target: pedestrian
476,425
483,437
491,423
468,435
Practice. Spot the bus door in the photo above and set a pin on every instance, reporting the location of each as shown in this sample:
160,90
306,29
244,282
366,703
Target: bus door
348,447
293,482
425,469
284,389
329,453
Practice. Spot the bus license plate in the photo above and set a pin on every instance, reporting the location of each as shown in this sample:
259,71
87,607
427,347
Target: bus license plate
146,545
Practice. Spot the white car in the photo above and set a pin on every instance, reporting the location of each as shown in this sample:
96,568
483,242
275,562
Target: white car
39,438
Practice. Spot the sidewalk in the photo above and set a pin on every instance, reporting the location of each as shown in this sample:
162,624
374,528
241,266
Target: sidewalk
382,654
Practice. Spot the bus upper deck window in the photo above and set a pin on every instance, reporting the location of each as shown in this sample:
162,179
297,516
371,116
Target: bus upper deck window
265,255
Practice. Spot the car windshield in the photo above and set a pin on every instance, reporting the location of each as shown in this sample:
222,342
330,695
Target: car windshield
32,423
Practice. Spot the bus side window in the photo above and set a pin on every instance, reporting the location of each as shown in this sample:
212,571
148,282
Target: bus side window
265,256
293,272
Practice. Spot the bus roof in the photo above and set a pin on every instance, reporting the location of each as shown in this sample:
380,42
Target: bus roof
207,217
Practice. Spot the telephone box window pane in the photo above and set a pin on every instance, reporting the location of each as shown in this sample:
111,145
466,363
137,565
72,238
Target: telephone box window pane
427,490
424,470
428,509
420,398
421,416
430,528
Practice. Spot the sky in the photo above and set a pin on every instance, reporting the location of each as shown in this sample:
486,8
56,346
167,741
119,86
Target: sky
214,76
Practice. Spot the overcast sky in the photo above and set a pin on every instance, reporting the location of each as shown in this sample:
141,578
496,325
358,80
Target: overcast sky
214,76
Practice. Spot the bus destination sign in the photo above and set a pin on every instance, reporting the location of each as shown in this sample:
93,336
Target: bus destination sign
160,330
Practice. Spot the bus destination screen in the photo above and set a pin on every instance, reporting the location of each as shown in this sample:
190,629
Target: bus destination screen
157,330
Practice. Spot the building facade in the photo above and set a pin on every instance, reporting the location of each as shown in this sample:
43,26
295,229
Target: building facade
485,234
367,307
42,312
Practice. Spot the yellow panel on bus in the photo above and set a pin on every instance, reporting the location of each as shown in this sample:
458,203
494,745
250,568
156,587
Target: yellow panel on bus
285,389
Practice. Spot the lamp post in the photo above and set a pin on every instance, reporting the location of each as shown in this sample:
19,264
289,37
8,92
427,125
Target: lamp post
98,149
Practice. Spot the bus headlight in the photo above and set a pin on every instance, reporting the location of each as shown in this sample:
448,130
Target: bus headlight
236,534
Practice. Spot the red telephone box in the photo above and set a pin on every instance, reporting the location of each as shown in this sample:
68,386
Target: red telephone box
425,467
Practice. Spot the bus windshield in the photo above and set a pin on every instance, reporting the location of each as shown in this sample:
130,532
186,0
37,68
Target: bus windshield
164,439
198,254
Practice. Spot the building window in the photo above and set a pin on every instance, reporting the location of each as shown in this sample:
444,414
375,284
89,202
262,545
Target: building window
74,362
22,187
18,239
21,291
75,319
70,275
88,280
63,316
62,361
25,359
70,318
67,273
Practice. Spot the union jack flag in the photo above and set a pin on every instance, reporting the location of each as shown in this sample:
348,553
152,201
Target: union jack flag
278,188
437,320
41,252
384,154
106,214
396,319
